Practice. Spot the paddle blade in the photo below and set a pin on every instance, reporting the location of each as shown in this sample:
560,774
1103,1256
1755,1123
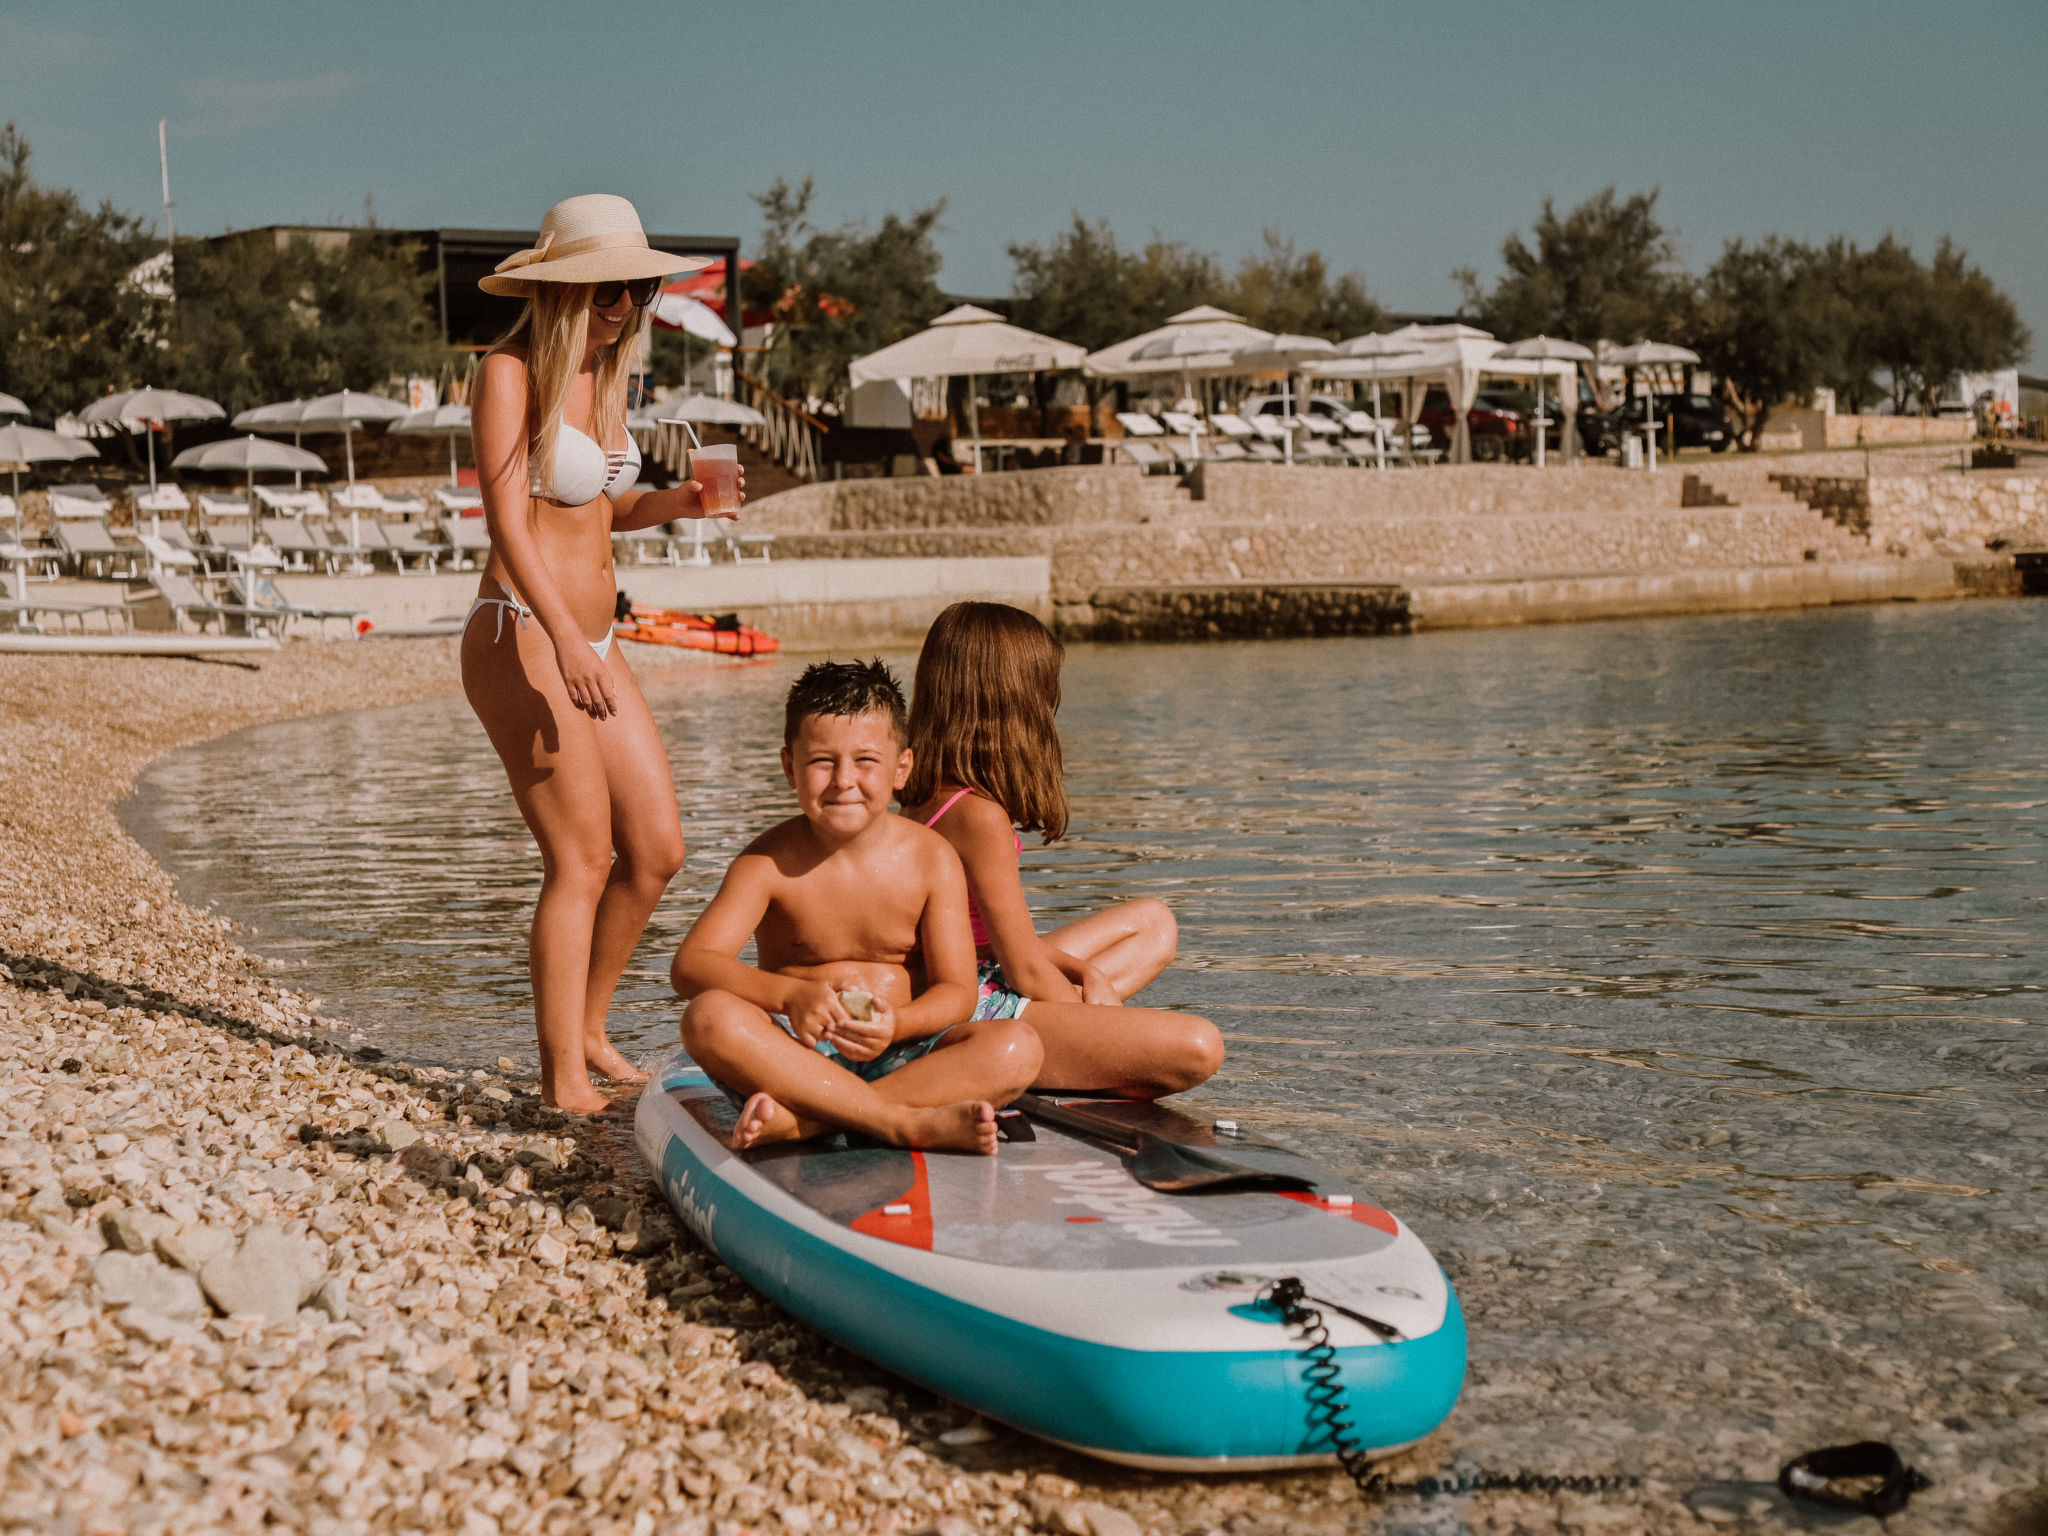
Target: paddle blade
1172,1167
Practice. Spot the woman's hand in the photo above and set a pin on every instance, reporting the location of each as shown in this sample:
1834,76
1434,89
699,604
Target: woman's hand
587,678
695,490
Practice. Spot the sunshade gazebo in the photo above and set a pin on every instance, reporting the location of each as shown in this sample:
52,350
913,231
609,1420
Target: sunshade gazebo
1649,354
22,444
1551,349
972,341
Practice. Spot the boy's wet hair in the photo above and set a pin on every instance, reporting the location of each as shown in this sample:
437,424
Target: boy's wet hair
846,688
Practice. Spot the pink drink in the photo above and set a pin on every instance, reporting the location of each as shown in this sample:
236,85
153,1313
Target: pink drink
717,470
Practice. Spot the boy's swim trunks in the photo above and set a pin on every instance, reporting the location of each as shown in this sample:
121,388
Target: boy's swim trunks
996,1000
901,1054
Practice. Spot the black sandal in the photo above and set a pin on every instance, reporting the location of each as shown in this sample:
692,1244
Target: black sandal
1811,1478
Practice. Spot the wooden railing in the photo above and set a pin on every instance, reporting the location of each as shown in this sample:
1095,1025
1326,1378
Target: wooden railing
791,435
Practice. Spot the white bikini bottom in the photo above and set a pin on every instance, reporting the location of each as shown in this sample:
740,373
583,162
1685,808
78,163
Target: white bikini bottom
510,602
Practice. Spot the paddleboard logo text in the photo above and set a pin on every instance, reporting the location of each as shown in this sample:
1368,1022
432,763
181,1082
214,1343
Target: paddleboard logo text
697,1217
1137,1212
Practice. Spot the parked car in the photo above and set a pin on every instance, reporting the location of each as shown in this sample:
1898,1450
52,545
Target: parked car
1501,421
1691,421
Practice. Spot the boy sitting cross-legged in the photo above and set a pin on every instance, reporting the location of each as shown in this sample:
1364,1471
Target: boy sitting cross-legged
853,911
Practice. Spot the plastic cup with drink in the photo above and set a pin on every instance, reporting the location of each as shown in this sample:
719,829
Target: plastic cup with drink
716,470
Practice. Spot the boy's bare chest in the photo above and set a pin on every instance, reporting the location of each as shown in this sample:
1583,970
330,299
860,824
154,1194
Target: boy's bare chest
850,914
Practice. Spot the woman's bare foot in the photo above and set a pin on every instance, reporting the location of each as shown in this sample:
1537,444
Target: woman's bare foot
579,1100
604,1059
764,1122
968,1127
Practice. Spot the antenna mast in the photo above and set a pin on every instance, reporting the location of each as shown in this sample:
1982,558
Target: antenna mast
163,157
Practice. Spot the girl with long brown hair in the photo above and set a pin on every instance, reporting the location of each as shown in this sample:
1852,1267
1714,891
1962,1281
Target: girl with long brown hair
554,693
986,764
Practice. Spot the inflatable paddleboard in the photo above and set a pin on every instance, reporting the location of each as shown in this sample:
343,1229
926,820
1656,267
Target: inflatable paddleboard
725,634
1047,1288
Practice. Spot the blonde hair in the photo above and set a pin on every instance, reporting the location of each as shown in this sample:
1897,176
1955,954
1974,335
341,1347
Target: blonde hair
981,714
555,326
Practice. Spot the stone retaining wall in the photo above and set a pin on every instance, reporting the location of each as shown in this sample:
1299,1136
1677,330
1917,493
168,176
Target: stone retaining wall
1017,499
1958,514
1270,491
1235,611
1213,552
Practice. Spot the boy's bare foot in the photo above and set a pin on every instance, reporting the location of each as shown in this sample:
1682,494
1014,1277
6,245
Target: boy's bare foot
763,1122
604,1059
968,1127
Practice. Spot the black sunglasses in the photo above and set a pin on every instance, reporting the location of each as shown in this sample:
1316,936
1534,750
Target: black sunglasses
641,291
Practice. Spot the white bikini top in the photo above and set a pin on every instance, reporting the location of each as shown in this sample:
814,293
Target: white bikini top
583,469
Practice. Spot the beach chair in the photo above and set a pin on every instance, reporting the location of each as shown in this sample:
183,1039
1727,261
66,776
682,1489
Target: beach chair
692,540
303,547
79,501
1363,450
167,500
1138,424
644,546
163,555
469,542
1180,424
360,497
274,601
1232,426
408,541
461,498
88,543
739,543
1317,450
185,600
405,508
26,615
1148,456
1225,451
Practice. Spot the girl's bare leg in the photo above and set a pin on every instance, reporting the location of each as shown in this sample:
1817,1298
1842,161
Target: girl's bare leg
1144,1053
558,776
1130,943
647,836
797,1092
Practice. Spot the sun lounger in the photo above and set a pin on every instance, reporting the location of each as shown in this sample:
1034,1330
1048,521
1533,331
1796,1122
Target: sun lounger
1313,450
460,499
469,542
1365,450
361,497
644,546
216,506
692,541
405,541
1148,456
185,600
1138,424
1180,424
407,507
167,500
739,543
1225,451
303,546
163,555
80,502
26,615
1232,426
88,543
274,601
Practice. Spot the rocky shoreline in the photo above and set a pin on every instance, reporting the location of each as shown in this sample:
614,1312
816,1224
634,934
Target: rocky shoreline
250,1275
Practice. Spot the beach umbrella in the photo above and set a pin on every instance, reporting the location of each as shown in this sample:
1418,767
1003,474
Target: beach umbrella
725,413
21,444
1204,347
1546,349
1224,332
674,311
277,418
1649,354
249,454
449,421
346,411
1284,354
134,409
12,405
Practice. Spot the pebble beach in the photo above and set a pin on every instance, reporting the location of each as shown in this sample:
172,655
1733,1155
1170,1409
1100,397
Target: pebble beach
253,1273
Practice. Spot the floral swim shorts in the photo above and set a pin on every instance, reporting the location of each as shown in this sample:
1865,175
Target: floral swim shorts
995,999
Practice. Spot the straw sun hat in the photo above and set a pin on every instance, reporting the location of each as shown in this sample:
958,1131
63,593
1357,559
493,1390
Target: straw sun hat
593,239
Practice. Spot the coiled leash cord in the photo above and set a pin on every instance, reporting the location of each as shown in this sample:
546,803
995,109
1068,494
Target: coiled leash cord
1326,1412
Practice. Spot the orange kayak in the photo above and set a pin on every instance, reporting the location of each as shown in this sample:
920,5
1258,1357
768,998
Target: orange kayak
722,634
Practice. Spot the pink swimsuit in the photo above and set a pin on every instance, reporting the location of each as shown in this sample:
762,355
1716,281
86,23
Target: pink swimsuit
974,922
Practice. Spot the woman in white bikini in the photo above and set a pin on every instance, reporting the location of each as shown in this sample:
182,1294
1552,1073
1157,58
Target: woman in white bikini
538,664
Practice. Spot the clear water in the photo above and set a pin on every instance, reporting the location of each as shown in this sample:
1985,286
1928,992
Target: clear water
1704,955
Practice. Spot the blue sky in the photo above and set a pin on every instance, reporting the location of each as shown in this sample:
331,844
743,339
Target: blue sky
1401,140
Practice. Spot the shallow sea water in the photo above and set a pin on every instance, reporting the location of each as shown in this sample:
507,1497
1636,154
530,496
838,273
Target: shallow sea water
1680,981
